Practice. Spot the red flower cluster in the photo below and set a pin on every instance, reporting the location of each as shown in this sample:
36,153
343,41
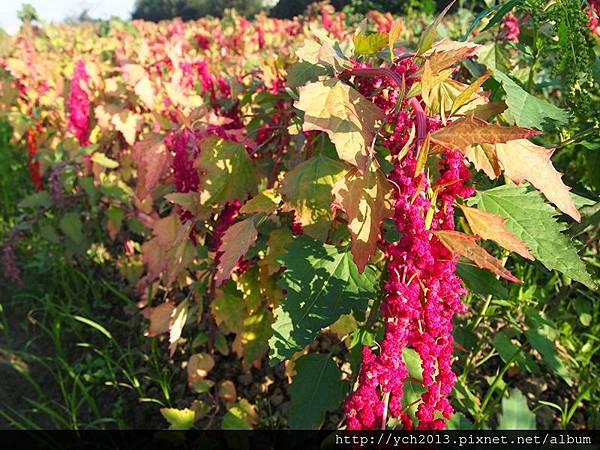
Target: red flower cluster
593,12
79,105
510,28
423,290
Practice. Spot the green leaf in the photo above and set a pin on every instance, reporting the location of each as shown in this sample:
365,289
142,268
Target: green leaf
459,422
36,200
102,160
507,349
228,309
534,222
493,56
515,413
316,389
430,33
371,44
322,283
529,111
481,281
504,10
115,219
478,19
180,419
241,416
584,310
302,72
548,351
226,172
307,190
71,226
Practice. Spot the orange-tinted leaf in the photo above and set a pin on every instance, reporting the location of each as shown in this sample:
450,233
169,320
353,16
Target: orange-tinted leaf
160,319
198,367
344,114
446,53
236,241
489,110
154,161
492,226
133,73
366,200
465,245
469,131
170,249
523,160
227,392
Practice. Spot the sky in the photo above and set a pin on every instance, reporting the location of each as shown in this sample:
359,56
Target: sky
57,10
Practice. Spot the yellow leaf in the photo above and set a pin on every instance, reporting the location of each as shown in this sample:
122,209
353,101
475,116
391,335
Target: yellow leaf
266,202
466,95
393,35
128,123
367,200
133,73
426,82
523,160
483,157
179,317
492,226
253,342
344,114
278,239
145,91
445,90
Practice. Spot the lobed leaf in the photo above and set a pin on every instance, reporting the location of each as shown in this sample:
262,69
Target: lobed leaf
492,226
534,222
322,283
316,389
344,114
366,199
523,160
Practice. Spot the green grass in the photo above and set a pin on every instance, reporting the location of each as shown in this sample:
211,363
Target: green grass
72,350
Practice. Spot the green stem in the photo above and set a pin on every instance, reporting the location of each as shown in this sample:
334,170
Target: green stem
492,388
577,137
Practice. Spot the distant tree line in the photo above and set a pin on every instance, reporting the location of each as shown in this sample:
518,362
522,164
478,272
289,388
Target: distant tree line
155,10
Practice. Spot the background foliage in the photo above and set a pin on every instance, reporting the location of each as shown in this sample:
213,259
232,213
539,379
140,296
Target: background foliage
77,353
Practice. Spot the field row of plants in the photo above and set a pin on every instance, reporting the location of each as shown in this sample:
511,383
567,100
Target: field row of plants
334,221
